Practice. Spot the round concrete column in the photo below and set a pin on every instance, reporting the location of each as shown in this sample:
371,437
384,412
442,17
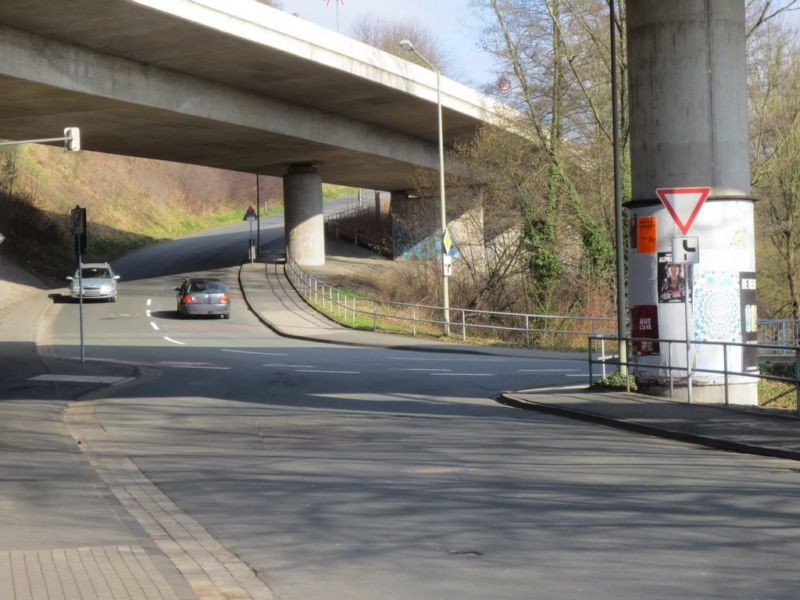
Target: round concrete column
303,220
689,128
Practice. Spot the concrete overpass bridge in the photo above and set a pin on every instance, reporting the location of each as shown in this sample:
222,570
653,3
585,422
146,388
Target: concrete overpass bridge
235,85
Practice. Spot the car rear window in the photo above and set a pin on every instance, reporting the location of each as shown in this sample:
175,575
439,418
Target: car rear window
209,287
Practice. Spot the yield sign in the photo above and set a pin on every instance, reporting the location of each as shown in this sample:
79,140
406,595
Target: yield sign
683,204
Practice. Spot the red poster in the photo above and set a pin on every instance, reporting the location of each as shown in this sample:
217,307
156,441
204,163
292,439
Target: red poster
648,239
644,323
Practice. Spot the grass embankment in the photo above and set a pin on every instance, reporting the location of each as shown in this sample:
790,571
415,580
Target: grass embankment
131,203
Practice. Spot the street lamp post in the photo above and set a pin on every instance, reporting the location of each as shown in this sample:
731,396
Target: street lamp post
409,47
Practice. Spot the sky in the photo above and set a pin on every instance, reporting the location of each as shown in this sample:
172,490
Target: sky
453,22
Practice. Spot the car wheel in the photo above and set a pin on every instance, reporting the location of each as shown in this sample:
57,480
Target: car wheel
226,316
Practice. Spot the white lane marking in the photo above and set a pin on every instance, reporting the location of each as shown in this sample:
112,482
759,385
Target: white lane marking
289,366
421,369
250,352
577,375
462,374
147,313
333,372
427,359
78,378
547,370
191,365
148,302
153,325
169,339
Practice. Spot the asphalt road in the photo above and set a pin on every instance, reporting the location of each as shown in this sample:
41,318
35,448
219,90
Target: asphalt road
349,473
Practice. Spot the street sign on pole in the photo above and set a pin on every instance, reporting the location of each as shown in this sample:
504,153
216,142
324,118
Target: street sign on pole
686,249
447,241
683,204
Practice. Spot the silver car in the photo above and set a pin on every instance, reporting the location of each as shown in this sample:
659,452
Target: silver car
98,281
203,296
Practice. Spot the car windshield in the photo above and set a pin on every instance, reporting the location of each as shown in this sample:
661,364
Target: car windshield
209,287
95,273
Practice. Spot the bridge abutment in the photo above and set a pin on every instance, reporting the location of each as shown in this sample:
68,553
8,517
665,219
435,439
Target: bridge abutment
303,218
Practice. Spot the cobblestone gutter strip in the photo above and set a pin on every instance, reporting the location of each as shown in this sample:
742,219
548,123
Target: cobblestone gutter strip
212,571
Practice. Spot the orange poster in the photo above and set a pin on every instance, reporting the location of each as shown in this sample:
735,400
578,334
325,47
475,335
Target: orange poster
646,227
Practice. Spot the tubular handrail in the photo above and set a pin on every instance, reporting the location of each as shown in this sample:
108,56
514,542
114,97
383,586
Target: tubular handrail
633,363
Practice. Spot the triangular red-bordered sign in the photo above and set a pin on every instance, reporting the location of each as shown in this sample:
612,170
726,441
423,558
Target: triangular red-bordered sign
683,204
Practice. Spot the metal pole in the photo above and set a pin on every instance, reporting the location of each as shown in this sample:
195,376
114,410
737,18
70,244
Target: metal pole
621,312
528,334
463,325
725,368
442,201
688,344
669,368
797,380
414,321
409,46
80,299
591,376
258,214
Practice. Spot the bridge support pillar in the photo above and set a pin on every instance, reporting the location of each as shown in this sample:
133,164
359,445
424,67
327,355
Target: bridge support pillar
303,220
689,118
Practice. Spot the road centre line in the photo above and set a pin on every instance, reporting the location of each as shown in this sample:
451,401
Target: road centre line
421,369
332,372
147,313
289,366
547,370
149,301
252,352
78,378
153,325
169,339
461,374
430,359
577,374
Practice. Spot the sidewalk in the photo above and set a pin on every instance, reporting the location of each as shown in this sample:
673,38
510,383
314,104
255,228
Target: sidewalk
64,535
272,299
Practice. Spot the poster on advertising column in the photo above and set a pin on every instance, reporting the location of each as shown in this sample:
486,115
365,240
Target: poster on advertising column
672,279
644,324
749,317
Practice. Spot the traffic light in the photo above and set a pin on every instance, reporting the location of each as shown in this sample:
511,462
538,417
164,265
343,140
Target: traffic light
73,139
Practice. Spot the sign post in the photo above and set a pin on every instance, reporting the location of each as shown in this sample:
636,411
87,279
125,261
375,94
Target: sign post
78,221
686,250
251,217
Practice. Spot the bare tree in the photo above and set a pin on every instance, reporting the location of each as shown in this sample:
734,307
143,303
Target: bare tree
774,91
385,35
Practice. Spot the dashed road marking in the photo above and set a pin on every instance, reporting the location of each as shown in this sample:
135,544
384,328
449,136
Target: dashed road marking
547,370
169,339
421,369
78,378
462,374
253,352
331,372
148,302
153,325
289,366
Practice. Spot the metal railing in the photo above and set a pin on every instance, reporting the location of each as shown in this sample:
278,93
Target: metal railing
521,329
637,367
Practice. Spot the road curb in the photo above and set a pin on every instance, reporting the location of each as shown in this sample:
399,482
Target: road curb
634,427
